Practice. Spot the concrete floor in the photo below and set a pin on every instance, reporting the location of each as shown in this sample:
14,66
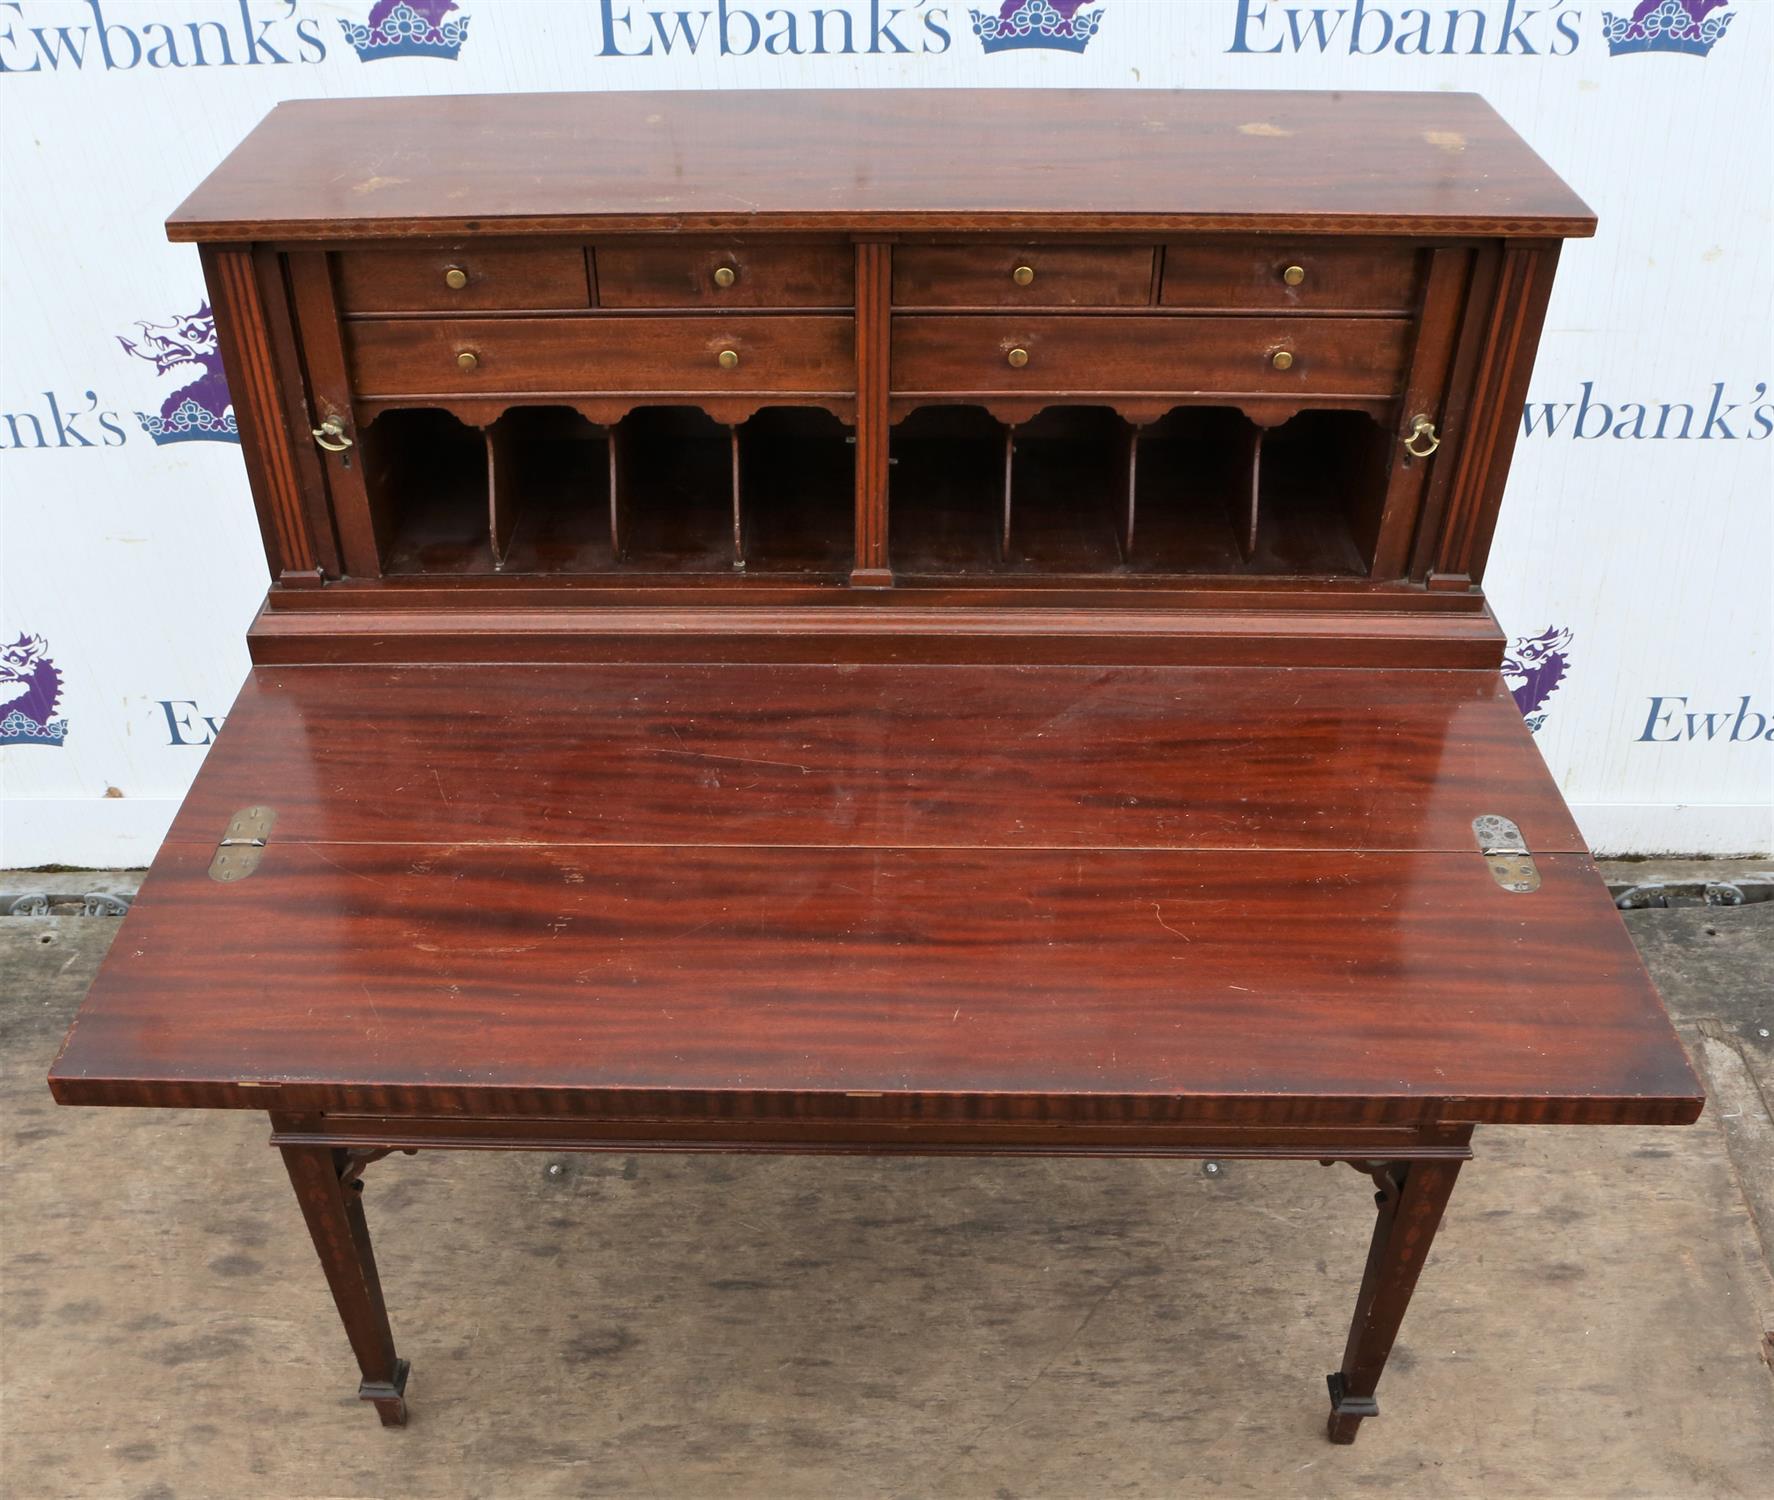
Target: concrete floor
1594,1320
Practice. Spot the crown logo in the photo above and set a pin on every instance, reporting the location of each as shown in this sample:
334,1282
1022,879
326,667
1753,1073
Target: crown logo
189,423
1056,25
1687,26
407,28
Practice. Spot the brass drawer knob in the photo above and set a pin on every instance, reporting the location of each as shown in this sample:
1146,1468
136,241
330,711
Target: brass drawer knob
1018,358
729,359
467,360
1422,432
725,276
1023,275
455,278
1294,275
1282,359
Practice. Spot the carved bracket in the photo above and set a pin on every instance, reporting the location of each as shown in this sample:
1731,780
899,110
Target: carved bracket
605,411
1388,1176
1144,410
356,1158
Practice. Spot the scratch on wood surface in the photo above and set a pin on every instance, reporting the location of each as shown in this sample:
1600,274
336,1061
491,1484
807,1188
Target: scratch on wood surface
327,859
736,760
1158,912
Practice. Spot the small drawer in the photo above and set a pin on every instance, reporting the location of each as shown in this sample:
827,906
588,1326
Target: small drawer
466,279
726,275
1022,276
1079,353
1274,275
709,355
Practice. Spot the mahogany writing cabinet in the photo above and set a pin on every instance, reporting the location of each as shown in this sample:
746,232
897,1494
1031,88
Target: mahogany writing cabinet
881,622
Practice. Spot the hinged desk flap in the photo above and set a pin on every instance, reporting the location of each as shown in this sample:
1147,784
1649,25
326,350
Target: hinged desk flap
981,890
880,756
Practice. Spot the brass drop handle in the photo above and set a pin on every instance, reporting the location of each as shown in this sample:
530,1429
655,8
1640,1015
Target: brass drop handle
331,435
1294,275
1282,359
1422,430
729,359
1023,275
455,278
1018,358
725,276
468,360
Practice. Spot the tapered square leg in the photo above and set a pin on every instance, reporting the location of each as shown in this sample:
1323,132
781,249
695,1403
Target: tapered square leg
334,1211
1410,1201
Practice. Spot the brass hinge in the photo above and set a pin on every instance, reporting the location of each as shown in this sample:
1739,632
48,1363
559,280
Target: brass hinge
1506,853
243,842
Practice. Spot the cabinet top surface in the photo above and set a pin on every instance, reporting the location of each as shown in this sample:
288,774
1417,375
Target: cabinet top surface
937,160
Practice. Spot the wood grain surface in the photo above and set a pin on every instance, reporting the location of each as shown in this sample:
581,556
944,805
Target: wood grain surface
418,356
1016,894
650,274
1066,984
1075,354
900,159
911,625
880,756
983,275
552,276
1251,275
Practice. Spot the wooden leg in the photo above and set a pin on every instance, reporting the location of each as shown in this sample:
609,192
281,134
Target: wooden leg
334,1211
1411,1198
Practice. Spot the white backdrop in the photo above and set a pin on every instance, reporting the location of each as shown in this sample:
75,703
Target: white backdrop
1636,553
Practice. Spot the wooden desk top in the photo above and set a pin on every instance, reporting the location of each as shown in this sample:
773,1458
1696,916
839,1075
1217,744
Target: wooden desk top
974,893
855,160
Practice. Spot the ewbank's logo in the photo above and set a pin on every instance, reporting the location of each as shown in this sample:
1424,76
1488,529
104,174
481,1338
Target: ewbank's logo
30,689
408,28
1053,25
1686,26
62,36
1712,419
199,410
1533,667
